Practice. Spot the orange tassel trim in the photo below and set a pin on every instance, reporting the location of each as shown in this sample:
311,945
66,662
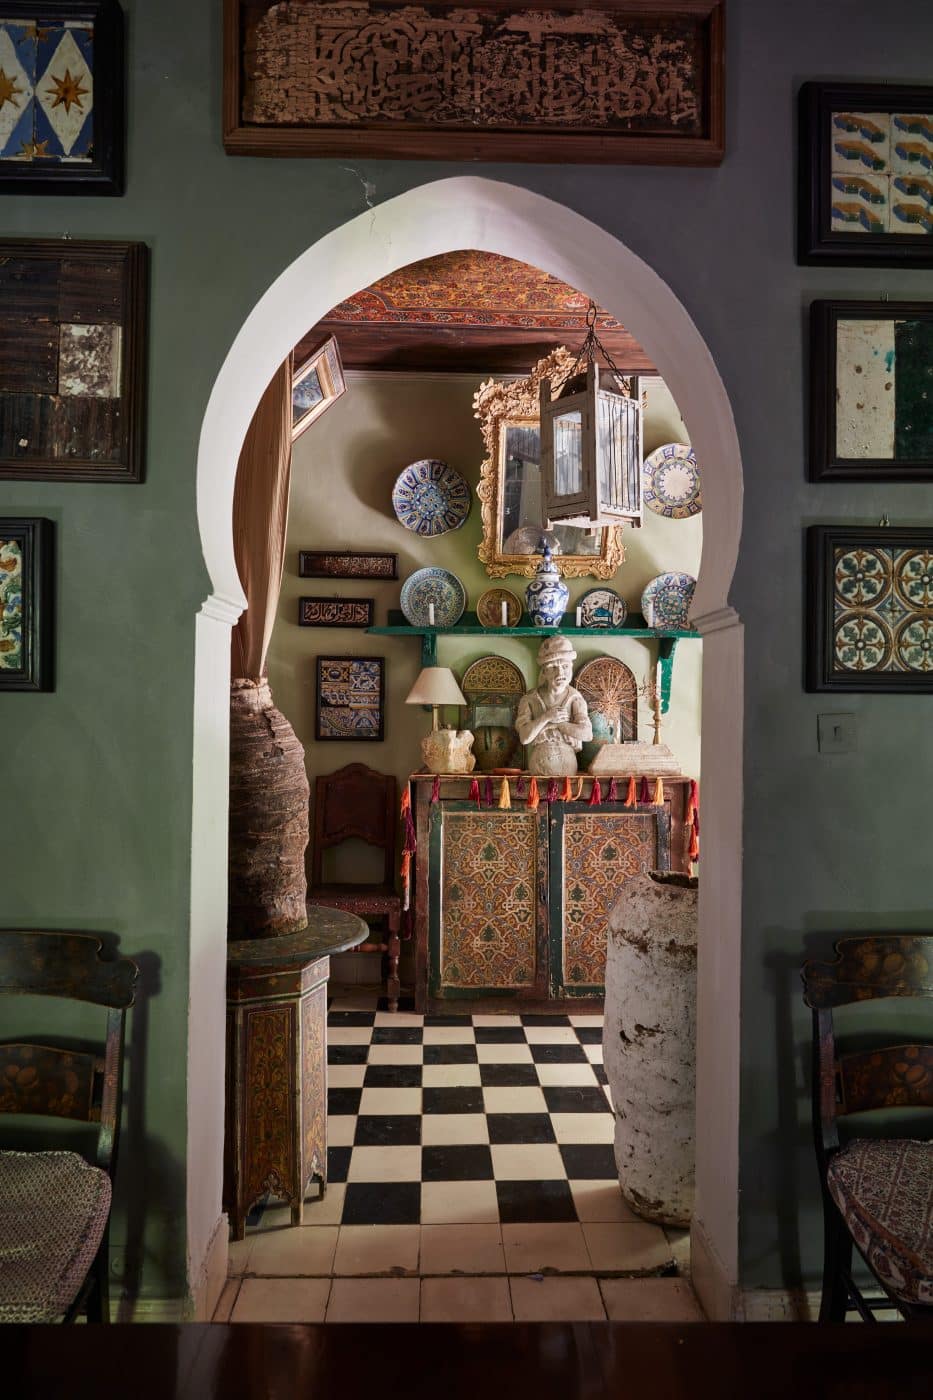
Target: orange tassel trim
630,796
657,798
693,851
534,796
505,798
579,792
566,792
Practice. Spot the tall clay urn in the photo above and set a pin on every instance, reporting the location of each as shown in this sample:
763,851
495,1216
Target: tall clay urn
268,817
649,1042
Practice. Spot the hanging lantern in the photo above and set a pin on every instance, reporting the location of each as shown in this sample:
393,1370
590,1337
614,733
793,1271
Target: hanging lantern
591,441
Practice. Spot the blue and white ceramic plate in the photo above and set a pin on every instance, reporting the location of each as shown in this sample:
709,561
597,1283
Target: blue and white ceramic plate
602,607
437,586
670,481
431,498
666,601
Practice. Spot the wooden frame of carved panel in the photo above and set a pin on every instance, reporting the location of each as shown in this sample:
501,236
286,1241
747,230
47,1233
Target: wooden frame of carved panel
515,403
636,81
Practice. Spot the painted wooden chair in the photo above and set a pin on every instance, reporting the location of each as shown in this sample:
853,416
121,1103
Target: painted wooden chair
55,1205
356,801
877,1190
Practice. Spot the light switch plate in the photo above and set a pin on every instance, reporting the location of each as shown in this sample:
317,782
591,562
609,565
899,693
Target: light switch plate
836,733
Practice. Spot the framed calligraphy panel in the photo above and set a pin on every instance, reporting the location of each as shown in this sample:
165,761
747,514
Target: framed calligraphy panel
336,612
616,81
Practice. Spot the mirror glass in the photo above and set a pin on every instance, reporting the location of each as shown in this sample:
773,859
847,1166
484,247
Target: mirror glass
521,519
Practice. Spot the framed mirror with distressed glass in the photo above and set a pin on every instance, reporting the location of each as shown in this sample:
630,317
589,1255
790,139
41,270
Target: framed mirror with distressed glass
510,486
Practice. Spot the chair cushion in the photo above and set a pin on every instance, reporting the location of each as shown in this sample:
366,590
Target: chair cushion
358,899
884,1190
53,1212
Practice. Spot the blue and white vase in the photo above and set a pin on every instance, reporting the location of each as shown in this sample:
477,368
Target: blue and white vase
547,594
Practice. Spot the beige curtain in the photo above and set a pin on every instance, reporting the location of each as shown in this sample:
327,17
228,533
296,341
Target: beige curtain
260,517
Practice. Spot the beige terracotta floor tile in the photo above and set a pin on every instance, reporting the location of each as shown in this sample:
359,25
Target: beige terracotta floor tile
443,1129
504,1054
518,1100
377,1249
551,1035
556,1300
329,1210
374,1300
228,1296
385,1164
459,1203
493,1020
390,1101
461,1249
345,1076
571,1075
281,1300
583,1127
602,1201
465,1300
394,1055
296,1250
626,1248
650,1300
594,1053
528,1162
238,1256
449,1035
539,1248
340,1129
450,1077
349,1035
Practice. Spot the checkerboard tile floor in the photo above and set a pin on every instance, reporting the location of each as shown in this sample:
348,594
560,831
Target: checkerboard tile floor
470,1160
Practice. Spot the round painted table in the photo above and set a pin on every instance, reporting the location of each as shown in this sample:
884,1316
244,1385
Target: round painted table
275,1140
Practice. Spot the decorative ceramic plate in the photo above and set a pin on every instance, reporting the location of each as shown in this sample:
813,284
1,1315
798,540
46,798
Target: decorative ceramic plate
489,608
437,586
431,498
666,601
602,607
670,481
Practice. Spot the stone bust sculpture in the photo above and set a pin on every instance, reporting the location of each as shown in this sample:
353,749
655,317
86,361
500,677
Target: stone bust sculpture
552,719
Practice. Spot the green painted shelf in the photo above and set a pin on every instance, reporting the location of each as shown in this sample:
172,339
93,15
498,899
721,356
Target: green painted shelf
667,638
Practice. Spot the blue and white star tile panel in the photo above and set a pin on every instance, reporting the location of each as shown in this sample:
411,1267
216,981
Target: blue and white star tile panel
46,92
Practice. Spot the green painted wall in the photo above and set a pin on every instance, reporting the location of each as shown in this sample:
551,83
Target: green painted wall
98,774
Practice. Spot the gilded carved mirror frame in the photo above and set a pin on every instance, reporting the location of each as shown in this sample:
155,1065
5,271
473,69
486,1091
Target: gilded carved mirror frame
497,404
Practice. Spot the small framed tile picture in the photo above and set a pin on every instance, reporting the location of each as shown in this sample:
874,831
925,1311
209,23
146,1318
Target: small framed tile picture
26,603
316,384
350,698
871,390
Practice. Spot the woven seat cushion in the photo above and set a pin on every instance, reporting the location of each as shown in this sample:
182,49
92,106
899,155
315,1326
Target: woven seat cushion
884,1190
53,1212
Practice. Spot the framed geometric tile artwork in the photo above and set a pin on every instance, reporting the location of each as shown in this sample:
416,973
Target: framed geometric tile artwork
336,612
72,359
350,697
871,391
865,174
315,386
869,608
61,97
26,602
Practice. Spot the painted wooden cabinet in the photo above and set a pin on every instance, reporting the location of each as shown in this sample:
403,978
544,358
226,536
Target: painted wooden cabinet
511,904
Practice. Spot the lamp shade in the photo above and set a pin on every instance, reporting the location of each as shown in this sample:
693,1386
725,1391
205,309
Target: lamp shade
436,685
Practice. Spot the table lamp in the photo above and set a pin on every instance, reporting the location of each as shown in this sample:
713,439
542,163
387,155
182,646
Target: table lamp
443,750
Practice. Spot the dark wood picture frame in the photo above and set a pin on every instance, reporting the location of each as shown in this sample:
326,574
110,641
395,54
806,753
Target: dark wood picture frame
319,701
35,537
336,612
104,172
875,614
421,137
31,289
828,397
817,241
347,563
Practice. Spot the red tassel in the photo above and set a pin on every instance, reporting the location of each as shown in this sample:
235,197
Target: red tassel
405,870
406,800
551,795
596,793
436,789
520,786
630,798
533,796
693,799
474,791
567,791
693,851
696,822
644,794
487,792
613,793
409,841
657,797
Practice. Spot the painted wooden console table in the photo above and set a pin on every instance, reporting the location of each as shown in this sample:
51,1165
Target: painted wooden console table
513,904
275,1138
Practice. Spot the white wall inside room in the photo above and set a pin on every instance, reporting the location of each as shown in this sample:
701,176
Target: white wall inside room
343,470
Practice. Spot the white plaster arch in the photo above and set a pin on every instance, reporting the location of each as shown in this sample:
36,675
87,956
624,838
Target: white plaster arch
471,212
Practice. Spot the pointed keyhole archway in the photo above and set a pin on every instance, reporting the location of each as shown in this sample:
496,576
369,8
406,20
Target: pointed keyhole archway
470,212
